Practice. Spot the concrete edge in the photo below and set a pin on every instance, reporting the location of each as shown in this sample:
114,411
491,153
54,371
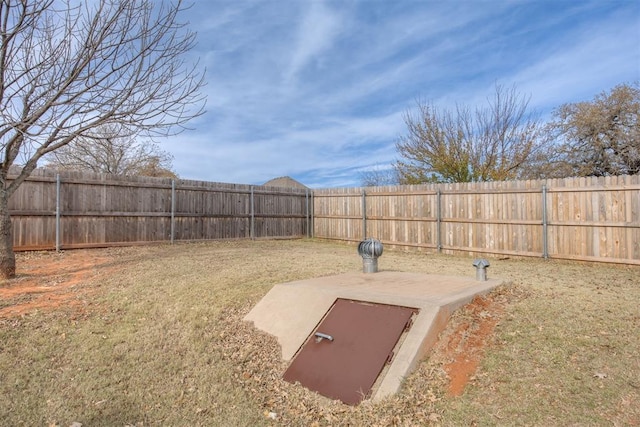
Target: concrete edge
310,300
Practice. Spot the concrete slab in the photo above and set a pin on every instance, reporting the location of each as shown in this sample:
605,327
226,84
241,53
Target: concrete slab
291,311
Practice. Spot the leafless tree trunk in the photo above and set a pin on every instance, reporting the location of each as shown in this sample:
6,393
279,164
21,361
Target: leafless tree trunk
68,68
7,257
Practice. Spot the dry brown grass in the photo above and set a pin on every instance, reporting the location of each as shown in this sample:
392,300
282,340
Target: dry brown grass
155,337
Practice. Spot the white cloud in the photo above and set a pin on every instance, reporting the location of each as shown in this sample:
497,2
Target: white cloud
585,64
339,143
316,33
316,89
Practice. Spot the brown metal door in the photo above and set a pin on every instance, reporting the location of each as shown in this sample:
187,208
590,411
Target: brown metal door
344,356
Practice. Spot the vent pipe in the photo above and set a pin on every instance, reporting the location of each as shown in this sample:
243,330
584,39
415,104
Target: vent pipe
481,265
370,249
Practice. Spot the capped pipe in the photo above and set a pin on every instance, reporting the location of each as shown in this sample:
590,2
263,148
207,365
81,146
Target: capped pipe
370,249
481,265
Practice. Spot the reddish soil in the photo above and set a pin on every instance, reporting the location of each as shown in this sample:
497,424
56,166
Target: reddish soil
464,347
49,281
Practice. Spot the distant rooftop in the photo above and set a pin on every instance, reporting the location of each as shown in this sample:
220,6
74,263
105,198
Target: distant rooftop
284,181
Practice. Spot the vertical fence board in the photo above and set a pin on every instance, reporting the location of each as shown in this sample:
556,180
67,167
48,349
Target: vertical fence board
593,219
103,210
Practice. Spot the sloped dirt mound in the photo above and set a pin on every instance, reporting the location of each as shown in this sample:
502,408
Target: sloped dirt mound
462,344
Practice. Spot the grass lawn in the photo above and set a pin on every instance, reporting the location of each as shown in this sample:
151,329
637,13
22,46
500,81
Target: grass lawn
154,336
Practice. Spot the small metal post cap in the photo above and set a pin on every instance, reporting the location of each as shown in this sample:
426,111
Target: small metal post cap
481,265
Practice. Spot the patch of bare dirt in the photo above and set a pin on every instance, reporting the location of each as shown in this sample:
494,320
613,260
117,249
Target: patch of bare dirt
462,346
48,281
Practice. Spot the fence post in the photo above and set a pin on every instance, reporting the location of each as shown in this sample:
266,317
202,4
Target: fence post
364,214
57,212
545,224
252,226
173,208
306,199
438,220
313,205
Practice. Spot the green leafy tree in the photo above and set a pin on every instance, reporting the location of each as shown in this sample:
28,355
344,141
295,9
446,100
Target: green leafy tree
69,68
491,143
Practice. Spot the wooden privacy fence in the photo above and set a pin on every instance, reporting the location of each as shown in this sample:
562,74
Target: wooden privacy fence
591,219
75,210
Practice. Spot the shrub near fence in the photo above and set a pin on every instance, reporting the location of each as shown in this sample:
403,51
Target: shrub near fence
592,219
75,210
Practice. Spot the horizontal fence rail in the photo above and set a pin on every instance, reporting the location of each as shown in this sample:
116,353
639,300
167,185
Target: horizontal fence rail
77,210
590,219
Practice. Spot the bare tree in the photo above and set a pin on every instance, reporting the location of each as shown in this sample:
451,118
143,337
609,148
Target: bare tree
600,137
157,168
108,152
492,143
378,175
67,68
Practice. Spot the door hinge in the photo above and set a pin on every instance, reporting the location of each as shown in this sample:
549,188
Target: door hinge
408,325
389,358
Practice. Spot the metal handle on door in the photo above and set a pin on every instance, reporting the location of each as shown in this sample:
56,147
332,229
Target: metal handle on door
320,336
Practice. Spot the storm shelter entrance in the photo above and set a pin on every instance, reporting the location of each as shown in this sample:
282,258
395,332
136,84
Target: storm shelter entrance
345,354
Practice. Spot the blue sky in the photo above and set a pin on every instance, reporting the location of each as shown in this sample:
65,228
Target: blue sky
316,90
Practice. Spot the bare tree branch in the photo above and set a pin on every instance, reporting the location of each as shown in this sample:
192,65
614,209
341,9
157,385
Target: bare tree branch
599,137
70,67
111,149
69,70
493,143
